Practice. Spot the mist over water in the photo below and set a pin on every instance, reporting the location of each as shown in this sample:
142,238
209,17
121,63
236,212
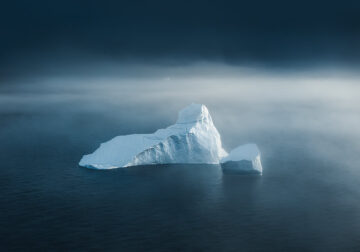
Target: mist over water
306,124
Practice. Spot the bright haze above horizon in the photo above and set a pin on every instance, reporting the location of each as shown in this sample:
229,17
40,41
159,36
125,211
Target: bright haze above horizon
46,35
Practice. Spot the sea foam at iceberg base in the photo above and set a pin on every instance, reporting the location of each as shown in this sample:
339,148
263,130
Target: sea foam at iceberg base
193,139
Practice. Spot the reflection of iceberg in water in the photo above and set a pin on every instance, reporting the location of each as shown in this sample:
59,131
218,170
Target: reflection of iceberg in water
193,139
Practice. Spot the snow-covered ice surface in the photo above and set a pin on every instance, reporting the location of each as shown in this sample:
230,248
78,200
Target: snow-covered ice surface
192,139
243,159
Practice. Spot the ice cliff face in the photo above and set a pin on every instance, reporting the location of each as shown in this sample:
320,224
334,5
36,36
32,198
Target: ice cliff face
192,139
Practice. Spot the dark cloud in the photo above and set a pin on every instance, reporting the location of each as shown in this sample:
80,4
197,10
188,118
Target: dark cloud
235,32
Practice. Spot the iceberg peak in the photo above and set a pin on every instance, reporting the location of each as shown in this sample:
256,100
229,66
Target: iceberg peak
194,113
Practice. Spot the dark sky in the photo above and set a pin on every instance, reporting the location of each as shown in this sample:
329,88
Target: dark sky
235,32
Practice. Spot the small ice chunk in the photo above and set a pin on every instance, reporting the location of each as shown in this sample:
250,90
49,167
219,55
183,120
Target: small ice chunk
243,159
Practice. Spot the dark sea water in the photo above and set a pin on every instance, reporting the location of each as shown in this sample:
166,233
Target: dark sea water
308,198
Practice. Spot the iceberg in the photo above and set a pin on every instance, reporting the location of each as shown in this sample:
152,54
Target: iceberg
193,139
243,159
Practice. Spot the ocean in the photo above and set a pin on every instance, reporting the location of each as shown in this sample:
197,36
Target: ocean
307,199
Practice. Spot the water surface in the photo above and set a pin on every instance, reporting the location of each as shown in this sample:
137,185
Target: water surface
308,197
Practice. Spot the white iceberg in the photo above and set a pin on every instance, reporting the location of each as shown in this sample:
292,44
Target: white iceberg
193,139
243,159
